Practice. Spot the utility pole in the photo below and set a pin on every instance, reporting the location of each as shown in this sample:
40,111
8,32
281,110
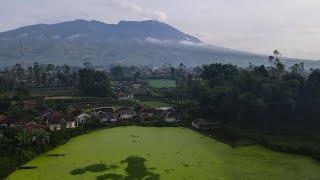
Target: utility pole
22,54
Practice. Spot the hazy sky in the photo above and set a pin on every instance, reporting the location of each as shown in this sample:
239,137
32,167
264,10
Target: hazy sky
292,26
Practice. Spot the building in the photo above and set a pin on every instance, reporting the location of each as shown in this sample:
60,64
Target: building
123,96
29,104
82,118
145,113
165,109
3,121
171,117
12,122
56,121
105,114
205,125
32,126
71,122
168,114
126,112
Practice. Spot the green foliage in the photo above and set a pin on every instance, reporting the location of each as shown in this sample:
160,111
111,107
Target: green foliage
21,94
110,176
78,171
268,98
96,167
117,72
136,169
94,83
155,104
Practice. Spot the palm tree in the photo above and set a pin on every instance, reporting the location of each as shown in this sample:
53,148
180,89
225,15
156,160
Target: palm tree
23,139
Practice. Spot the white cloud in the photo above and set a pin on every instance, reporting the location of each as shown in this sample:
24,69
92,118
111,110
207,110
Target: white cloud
184,42
137,9
75,36
252,25
157,41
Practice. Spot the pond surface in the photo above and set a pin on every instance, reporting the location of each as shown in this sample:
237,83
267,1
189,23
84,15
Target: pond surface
162,153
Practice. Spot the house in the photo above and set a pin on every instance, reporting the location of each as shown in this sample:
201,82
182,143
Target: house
82,118
165,109
105,114
123,96
3,122
46,113
30,104
168,114
32,126
71,122
56,121
12,122
171,117
205,125
126,113
145,112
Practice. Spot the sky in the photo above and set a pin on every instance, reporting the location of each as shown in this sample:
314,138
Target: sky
259,26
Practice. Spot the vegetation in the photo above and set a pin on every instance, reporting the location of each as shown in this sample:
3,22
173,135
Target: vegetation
271,100
182,153
273,106
162,83
154,104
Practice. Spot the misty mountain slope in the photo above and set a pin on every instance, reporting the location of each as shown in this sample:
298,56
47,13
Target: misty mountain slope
128,42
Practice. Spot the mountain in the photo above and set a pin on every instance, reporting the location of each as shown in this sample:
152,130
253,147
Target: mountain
128,42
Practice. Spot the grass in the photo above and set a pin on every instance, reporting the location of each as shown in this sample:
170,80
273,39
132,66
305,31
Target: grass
155,104
165,153
162,83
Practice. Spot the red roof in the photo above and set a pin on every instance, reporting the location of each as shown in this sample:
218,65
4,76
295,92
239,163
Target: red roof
31,126
56,118
122,94
2,118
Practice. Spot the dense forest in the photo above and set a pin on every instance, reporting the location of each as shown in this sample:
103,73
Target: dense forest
270,98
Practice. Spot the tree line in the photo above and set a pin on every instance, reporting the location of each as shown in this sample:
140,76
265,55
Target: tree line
267,97
90,82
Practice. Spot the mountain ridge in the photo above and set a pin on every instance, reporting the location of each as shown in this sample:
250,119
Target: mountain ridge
128,42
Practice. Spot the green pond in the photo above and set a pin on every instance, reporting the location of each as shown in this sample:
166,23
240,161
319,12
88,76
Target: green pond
162,153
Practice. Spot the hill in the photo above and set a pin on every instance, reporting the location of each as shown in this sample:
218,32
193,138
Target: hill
128,42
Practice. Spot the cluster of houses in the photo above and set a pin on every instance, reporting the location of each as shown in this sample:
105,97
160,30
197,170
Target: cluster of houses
130,89
109,114
51,120
54,120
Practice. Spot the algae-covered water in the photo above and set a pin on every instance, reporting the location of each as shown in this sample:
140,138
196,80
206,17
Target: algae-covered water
162,153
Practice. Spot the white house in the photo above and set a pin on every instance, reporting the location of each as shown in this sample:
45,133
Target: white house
126,113
82,118
105,114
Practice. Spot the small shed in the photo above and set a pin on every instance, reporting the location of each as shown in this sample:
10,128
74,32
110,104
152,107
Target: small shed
205,125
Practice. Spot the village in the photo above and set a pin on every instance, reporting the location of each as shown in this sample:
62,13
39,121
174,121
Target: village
53,120
137,100
44,106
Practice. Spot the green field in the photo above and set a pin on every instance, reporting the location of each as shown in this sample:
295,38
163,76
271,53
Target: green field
163,153
49,92
162,83
155,104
